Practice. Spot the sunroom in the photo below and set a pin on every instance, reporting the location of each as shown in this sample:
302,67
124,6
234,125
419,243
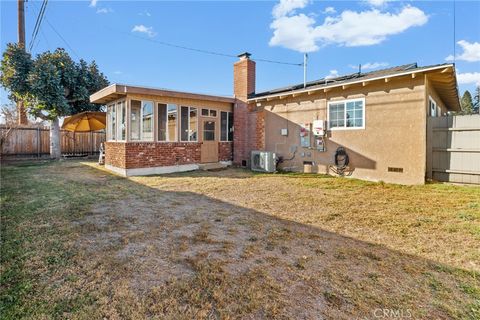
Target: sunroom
151,131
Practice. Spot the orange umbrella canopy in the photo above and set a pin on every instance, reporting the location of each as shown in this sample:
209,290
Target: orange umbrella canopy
85,121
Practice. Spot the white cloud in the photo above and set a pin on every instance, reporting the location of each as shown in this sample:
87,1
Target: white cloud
329,10
145,13
332,74
449,58
295,33
286,7
468,78
350,28
377,3
371,65
471,51
143,29
93,3
368,27
104,10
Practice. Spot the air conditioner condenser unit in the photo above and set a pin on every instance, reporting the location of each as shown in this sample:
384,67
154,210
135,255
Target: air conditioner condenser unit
263,161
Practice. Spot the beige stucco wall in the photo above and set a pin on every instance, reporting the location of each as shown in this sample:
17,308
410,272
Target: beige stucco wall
394,134
432,92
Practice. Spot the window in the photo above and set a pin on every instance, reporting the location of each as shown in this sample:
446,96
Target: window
172,122
432,107
230,126
348,114
135,114
167,122
111,129
141,120
336,115
226,126
162,122
122,118
209,113
209,131
147,120
188,123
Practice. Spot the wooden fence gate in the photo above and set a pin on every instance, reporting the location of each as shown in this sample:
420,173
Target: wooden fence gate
453,149
27,142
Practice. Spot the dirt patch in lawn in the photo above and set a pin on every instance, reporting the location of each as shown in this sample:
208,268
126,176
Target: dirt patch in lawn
232,244
178,236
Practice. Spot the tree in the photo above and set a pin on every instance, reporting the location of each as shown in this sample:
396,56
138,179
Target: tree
52,85
476,100
466,103
9,115
15,67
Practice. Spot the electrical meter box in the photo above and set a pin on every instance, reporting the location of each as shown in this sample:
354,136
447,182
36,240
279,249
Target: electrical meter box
305,135
320,144
318,128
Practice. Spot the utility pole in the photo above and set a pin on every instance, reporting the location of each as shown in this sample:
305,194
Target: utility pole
21,114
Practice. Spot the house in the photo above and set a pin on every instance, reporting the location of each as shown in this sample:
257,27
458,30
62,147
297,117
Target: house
379,118
155,131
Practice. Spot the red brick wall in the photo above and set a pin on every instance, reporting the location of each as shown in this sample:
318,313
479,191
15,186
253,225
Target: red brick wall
157,154
259,129
225,151
243,78
249,123
115,154
240,115
151,154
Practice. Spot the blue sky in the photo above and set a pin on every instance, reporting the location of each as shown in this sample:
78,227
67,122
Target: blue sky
122,37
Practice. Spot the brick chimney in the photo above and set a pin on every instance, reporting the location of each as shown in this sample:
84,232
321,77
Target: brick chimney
243,77
248,122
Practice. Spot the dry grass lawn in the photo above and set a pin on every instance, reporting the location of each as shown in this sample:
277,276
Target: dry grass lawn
81,243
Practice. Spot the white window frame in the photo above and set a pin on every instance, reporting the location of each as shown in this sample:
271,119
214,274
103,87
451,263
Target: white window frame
142,138
167,132
118,108
228,122
345,114
188,121
435,107
111,107
130,126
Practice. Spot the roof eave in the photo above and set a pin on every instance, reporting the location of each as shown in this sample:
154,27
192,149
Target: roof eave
116,91
335,85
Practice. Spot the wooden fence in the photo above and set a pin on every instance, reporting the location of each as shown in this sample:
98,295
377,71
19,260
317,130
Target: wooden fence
453,149
23,142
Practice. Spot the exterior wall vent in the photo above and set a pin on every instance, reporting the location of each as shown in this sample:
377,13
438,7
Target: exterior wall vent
393,169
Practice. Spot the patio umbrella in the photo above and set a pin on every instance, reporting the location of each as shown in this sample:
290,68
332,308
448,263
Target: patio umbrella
85,122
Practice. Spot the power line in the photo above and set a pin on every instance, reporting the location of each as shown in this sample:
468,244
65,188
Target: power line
60,36
38,23
34,44
222,54
280,62
454,33
168,44
45,38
